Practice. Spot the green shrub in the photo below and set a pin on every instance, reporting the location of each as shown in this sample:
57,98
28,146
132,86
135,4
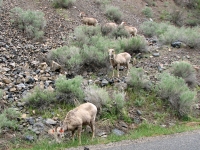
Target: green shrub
174,90
134,45
9,119
167,33
31,22
177,17
1,93
119,32
84,33
184,70
119,101
101,98
192,22
63,3
113,13
69,56
39,98
1,3
102,2
147,11
164,15
71,88
98,96
137,79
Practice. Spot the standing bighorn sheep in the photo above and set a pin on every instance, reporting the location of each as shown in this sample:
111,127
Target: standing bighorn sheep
88,21
129,29
119,59
84,114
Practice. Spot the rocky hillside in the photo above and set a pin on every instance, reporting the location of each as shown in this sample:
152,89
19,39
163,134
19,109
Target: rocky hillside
23,61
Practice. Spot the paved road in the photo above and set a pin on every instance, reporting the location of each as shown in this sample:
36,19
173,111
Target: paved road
180,141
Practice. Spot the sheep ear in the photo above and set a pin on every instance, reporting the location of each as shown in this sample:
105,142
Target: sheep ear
53,130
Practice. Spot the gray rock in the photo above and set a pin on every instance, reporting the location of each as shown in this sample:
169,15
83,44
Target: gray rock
50,121
104,82
102,134
118,132
156,54
29,138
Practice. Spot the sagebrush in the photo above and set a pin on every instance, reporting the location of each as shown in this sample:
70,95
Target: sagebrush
63,3
30,22
113,13
186,71
9,119
174,90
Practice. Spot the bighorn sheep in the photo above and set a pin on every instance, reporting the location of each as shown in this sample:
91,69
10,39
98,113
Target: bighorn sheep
111,25
129,29
57,133
88,21
84,114
119,59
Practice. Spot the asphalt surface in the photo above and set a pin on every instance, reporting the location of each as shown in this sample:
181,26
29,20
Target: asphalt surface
180,141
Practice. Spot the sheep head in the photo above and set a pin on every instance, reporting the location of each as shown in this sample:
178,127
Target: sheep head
82,14
111,53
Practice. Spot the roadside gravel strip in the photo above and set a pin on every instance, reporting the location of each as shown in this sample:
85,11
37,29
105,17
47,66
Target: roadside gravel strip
180,141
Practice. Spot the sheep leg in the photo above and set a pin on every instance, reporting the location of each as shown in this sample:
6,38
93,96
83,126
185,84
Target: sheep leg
79,133
113,72
73,133
128,68
93,129
118,66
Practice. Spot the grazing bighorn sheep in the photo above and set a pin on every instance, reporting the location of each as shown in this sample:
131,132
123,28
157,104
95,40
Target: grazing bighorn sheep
129,29
84,114
119,59
57,133
88,21
111,25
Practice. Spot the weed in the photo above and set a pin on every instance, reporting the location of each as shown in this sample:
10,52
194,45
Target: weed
113,13
71,89
186,71
9,119
167,33
69,56
175,90
147,11
63,3
39,98
137,79
31,22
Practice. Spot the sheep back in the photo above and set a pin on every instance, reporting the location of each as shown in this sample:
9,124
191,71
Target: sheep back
81,115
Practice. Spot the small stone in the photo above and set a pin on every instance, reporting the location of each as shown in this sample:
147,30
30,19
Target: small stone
6,80
156,54
118,132
50,121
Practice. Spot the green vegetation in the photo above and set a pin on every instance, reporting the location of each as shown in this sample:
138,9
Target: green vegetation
69,56
39,98
109,105
71,88
144,130
147,11
31,22
1,3
186,71
9,119
137,79
113,13
168,33
177,93
63,3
